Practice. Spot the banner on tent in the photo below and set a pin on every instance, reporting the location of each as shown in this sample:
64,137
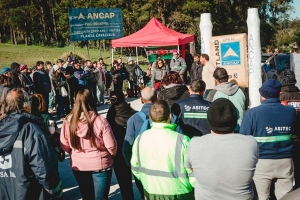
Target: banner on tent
95,23
165,52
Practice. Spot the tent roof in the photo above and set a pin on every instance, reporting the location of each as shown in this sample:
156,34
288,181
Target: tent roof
153,34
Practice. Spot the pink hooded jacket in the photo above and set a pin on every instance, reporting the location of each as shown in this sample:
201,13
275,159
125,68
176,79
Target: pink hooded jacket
89,158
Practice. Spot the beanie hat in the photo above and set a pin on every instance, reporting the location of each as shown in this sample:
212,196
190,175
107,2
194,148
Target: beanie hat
23,66
222,116
4,70
55,67
130,59
59,61
287,77
175,52
270,89
117,97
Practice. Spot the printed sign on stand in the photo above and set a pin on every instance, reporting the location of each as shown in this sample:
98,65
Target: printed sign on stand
95,23
230,52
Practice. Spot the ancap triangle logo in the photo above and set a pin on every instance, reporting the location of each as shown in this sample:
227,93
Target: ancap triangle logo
230,53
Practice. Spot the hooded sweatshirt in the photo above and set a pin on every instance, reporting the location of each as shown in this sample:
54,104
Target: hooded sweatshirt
89,158
27,159
173,93
232,92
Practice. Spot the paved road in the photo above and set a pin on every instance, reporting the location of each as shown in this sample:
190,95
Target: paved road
71,189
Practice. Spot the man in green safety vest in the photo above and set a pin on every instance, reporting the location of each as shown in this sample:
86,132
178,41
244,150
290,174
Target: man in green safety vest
158,157
272,125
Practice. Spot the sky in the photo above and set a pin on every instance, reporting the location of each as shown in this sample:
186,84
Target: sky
295,14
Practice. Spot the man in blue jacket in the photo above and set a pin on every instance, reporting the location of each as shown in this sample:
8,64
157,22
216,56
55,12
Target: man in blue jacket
28,163
192,111
272,125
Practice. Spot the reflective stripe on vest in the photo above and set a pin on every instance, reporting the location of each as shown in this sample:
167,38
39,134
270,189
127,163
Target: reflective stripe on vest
278,138
55,190
177,173
195,115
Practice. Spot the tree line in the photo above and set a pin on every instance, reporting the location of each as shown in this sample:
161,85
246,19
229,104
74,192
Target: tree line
45,22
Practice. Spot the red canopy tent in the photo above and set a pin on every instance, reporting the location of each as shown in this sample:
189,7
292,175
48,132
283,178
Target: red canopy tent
153,34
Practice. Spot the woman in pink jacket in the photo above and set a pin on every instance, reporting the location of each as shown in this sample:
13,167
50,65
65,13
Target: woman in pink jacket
89,140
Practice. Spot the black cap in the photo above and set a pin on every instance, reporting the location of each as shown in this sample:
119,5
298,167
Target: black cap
222,116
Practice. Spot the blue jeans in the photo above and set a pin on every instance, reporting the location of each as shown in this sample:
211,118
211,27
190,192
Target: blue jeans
100,93
93,185
63,105
102,184
51,99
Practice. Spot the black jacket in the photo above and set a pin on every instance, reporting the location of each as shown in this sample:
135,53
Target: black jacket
173,93
16,82
291,93
117,117
58,82
192,113
41,81
27,83
131,70
196,71
28,163
116,75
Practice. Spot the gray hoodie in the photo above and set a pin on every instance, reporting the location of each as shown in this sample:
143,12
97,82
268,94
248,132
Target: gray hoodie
231,91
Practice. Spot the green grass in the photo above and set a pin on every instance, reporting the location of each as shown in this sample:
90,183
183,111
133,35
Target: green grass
31,54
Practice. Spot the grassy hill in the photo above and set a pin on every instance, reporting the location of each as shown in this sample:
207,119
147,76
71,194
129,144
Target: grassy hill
31,54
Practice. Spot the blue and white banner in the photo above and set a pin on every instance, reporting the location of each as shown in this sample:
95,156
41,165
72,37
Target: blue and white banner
95,23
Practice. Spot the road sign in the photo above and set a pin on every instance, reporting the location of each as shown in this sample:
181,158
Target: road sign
95,23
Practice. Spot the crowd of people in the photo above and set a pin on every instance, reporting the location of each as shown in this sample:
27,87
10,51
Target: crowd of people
194,137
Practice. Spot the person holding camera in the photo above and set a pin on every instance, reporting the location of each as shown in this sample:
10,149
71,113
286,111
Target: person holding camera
116,74
134,74
61,90
92,79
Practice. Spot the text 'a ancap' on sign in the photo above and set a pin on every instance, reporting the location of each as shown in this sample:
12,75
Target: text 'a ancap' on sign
95,23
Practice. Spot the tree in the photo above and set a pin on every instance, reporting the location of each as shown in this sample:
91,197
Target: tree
46,21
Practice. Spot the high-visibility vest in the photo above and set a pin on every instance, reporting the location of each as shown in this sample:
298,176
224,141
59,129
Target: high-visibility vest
157,160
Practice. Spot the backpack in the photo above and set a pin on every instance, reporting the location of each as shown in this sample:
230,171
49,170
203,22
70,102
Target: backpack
147,123
138,73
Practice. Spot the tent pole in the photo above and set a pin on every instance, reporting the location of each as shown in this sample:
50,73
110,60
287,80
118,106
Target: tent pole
88,50
112,55
178,49
73,45
100,48
137,56
121,52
